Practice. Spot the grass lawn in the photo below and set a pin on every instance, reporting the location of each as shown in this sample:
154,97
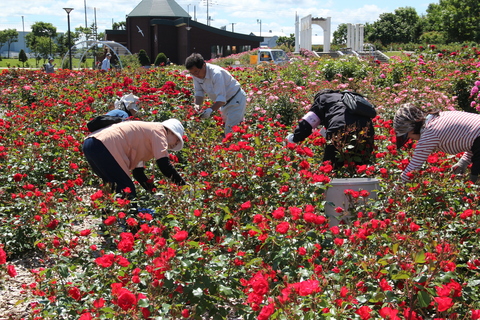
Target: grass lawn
32,63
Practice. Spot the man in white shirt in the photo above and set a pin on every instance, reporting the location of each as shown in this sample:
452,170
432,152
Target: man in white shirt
106,62
220,87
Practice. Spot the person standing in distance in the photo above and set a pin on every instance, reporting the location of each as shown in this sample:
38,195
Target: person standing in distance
50,66
106,62
221,87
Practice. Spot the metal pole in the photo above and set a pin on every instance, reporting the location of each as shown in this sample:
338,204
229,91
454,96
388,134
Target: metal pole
69,43
85,4
68,10
24,41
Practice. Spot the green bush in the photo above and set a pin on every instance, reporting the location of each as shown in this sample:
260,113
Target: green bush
143,58
161,59
131,61
345,68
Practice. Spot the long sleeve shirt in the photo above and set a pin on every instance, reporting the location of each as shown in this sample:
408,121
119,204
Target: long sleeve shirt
106,64
134,142
328,110
218,84
450,132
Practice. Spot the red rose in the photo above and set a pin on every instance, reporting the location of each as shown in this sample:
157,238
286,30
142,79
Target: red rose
126,300
364,312
11,271
110,220
443,303
53,224
3,256
180,236
85,232
283,227
74,292
105,261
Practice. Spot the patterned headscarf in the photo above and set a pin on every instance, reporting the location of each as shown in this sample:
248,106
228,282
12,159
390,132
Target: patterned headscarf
406,117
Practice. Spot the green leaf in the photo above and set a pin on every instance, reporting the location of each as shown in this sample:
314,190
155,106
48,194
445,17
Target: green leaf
143,303
401,275
423,299
107,310
395,248
225,290
420,257
63,270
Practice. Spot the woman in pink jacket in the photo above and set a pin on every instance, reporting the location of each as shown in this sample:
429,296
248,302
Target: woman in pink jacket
121,149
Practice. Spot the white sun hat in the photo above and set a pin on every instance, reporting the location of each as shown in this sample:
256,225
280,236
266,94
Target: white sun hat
177,128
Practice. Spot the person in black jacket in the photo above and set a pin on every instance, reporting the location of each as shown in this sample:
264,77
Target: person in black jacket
350,136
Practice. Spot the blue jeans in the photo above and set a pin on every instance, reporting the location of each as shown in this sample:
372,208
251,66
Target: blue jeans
106,167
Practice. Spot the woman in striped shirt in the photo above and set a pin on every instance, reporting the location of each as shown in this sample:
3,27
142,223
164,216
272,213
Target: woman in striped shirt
447,131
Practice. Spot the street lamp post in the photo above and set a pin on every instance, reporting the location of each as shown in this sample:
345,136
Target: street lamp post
68,10
260,22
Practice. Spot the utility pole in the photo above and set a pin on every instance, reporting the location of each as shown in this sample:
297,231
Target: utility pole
259,21
24,41
85,4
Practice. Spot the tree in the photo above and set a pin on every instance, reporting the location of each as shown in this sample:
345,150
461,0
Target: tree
22,57
143,58
3,38
340,35
119,25
63,45
459,19
402,26
41,30
44,48
86,32
11,36
289,41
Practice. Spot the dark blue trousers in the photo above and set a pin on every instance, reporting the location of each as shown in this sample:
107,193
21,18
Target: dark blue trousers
106,167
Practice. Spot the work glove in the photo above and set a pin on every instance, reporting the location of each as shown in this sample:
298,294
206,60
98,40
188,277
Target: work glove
289,138
460,167
206,113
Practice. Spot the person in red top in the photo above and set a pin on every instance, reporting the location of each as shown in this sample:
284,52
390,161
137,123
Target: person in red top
447,131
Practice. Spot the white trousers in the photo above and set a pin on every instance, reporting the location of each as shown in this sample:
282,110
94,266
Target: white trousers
234,112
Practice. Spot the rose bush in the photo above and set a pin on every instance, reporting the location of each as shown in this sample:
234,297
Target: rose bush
253,241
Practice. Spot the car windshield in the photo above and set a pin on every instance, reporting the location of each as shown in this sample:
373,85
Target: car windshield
279,55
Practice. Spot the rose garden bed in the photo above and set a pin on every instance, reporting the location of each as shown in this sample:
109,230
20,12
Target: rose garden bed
253,241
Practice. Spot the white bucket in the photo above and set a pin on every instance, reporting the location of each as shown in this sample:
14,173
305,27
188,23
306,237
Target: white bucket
335,196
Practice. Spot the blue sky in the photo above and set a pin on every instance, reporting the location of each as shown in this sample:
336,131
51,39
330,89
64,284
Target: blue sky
277,16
